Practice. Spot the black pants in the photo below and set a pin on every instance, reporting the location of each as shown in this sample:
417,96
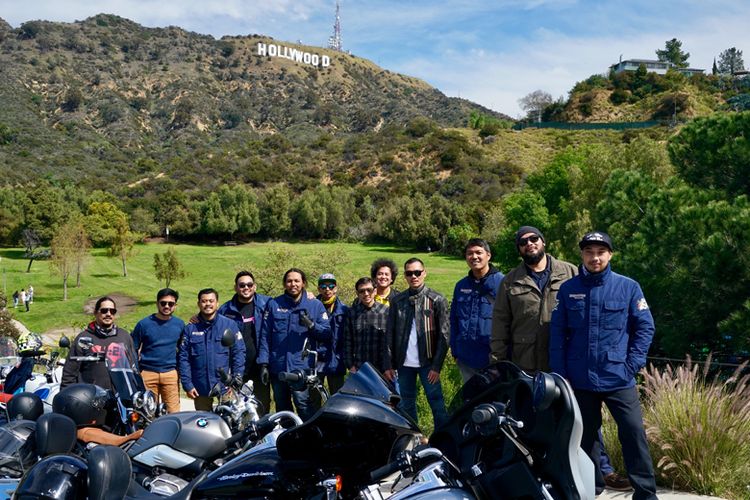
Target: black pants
262,392
625,408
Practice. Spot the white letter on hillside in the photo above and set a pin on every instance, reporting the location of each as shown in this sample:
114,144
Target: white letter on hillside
326,61
262,49
273,50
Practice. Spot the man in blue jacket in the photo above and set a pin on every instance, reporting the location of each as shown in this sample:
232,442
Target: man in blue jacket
600,335
246,308
201,354
471,309
289,320
331,356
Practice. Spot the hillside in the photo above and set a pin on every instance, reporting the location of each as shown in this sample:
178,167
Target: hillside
108,94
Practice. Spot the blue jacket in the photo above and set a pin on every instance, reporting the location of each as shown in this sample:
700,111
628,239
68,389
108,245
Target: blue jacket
282,335
331,353
601,331
231,309
200,353
471,318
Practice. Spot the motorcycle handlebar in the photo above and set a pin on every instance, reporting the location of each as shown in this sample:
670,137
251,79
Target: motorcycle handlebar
482,416
383,472
290,376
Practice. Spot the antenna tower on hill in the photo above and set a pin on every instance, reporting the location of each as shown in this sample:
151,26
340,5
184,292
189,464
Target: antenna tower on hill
334,41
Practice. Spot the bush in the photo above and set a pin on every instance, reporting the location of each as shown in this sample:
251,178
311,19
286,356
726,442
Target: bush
699,429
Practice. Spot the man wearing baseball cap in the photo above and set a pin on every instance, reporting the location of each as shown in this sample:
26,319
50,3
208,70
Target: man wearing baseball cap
331,360
600,335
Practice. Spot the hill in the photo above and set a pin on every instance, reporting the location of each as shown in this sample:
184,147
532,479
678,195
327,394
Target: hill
108,94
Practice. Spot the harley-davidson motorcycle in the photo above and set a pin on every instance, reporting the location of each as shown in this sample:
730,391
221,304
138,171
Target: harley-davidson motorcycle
508,437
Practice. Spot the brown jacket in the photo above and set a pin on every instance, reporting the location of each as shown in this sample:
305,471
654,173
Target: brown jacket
521,316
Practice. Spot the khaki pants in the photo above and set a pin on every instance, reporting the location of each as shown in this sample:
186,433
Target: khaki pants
165,387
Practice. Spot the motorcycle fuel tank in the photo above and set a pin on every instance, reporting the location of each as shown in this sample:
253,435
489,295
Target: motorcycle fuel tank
254,474
178,439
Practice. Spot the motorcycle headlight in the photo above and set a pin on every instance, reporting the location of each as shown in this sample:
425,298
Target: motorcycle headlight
145,402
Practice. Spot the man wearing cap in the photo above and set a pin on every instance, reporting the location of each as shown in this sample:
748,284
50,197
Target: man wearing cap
600,334
331,354
525,299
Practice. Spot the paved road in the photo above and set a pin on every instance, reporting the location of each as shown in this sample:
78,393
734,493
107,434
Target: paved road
662,494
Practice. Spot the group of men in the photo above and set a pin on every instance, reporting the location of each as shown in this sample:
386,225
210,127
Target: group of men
588,324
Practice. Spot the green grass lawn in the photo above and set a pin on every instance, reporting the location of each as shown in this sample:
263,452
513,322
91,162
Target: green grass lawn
208,266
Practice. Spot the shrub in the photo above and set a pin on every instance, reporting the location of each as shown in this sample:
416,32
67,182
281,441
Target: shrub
699,429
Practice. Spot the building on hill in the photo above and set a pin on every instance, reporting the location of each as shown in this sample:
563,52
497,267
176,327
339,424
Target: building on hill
652,66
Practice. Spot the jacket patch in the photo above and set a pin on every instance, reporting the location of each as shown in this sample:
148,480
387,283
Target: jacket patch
577,296
198,333
466,290
325,315
641,305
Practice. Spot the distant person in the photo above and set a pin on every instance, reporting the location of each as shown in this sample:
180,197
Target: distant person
418,328
31,294
600,334
289,320
246,308
24,299
383,272
471,309
365,339
201,353
16,297
155,339
331,360
93,340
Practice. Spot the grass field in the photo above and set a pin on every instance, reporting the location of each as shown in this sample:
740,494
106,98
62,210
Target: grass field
208,266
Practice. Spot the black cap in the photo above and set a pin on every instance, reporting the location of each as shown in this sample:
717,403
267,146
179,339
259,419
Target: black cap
525,230
596,238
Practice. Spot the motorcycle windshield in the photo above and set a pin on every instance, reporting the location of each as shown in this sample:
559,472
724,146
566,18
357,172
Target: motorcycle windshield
125,377
8,351
484,384
10,451
369,382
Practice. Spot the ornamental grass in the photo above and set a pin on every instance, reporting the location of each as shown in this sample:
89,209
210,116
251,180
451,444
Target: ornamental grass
698,427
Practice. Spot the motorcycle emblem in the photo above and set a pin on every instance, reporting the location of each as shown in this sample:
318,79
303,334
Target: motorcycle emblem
202,422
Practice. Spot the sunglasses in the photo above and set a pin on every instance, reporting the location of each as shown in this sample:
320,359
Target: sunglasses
416,273
105,310
245,285
367,291
327,286
524,241
166,303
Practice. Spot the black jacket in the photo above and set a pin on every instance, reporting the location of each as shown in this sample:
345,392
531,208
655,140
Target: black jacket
88,371
433,327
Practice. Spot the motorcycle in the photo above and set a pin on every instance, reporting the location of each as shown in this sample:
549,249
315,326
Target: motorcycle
509,436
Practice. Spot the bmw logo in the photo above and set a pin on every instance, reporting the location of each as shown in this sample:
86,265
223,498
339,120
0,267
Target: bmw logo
202,422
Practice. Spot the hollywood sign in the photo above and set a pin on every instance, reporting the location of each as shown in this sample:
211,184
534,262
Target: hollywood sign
272,50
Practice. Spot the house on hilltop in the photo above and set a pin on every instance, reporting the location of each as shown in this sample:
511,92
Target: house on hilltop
652,66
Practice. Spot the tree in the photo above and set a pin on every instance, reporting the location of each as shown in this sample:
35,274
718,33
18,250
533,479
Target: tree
69,247
168,267
103,220
714,152
32,241
535,103
673,53
730,61
122,244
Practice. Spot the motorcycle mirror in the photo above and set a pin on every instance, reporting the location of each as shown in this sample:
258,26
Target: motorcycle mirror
215,391
64,342
228,338
545,391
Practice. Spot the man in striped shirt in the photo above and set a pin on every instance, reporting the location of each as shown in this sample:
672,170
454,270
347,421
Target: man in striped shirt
365,332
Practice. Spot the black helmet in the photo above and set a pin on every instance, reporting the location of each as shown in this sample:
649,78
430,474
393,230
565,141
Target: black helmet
62,477
25,406
86,404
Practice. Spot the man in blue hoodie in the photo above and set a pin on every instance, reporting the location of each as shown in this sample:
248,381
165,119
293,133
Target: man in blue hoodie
201,354
599,338
471,309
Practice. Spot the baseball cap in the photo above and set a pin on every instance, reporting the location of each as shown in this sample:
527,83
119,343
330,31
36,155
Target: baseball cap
327,277
596,238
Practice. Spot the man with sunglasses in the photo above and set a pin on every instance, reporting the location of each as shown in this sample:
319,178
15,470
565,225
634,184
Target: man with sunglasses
417,330
523,309
92,341
155,339
332,368
365,340
246,308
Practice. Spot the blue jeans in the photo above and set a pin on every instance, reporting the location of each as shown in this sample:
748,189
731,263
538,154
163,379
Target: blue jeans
283,396
407,382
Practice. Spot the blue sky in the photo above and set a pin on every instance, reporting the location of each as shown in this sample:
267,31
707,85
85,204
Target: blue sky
491,52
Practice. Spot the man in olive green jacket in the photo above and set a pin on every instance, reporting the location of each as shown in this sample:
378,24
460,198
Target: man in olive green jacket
525,299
